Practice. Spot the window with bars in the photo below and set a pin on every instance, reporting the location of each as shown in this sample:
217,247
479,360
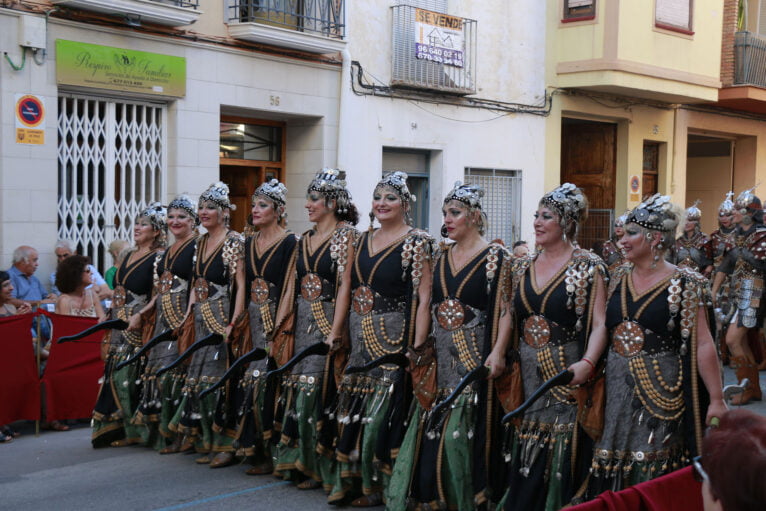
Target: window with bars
502,201
674,15
111,163
576,10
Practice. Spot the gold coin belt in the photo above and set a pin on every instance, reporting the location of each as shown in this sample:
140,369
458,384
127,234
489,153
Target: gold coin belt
172,311
371,341
468,356
266,319
548,367
654,402
317,312
209,317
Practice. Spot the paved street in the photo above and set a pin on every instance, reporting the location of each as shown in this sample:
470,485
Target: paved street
61,471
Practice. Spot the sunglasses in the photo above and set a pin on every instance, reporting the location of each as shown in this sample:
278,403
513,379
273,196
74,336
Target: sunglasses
699,473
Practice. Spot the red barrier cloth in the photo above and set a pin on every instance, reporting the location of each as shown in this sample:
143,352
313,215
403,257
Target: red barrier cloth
73,370
676,491
19,383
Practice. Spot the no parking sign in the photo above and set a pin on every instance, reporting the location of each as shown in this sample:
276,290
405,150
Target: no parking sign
30,119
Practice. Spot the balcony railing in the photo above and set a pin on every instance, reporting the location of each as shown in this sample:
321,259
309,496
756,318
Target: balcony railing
188,4
172,13
319,17
749,59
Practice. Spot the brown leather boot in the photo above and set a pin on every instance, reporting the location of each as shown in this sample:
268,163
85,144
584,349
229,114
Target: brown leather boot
745,368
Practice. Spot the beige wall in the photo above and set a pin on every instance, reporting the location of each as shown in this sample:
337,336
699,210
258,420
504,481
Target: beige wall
708,179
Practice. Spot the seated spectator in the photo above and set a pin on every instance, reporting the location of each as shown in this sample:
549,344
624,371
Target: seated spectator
74,280
117,249
7,309
520,249
65,248
732,467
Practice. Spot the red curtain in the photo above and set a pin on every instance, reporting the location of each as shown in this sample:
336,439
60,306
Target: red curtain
72,374
19,382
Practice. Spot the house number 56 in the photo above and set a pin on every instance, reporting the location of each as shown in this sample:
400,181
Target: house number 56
274,100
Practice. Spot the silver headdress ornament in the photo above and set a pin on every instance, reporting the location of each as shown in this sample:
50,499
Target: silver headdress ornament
693,213
157,215
273,190
620,221
218,193
184,203
468,194
332,184
398,181
655,213
748,200
568,200
727,206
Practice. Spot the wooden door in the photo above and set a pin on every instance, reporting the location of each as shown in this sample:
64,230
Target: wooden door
242,181
588,159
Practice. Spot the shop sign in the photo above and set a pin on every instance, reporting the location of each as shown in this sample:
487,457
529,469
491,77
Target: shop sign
439,38
30,119
119,69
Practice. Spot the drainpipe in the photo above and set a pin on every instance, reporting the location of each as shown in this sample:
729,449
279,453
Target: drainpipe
344,110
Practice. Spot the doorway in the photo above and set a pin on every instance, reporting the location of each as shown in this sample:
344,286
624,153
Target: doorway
588,159
416,164
709,175
251,152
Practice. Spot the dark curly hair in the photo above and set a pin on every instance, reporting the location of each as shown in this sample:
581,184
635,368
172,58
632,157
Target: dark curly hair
69,273
351,215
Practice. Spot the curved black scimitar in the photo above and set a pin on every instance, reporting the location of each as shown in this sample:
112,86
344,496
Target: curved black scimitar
112,324
563,378
399,359
167,335
319,348
256,354
475,374
210,340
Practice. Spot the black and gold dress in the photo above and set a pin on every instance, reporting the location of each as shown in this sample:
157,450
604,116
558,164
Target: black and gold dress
550,452
161,396
372,407
655,400
215,289
121,389
255,397
310,385
458,464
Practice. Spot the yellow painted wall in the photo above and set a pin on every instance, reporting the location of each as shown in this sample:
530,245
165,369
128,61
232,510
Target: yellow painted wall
708,179
212,21
641,41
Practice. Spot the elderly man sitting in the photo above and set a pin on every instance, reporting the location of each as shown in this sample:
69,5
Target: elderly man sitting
64,249
26,287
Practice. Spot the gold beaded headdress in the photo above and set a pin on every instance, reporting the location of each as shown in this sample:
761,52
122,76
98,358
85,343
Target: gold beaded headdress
655,213
693,213
332,184
727,206
184,203
273,190
217,193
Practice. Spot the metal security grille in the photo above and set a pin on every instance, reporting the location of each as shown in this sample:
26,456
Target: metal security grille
749,59
409,71
111,160
597,229
502,201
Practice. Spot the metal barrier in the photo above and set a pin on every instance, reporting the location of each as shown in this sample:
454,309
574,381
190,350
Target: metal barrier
321,17
597,229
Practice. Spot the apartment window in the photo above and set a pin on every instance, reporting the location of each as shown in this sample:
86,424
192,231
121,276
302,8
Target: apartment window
578,10
502,201
674,15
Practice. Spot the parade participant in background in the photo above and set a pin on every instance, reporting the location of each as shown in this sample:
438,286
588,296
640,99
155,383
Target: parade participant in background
721,241
451,464
691,249
267,254
320,298
74,280
659,346
745,264
217,301
134,281
520,249
117,249
558,300
390,281
611,251
161,396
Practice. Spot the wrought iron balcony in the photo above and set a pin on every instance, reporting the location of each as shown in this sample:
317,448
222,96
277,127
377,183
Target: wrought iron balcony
172,13
749,59
316,26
